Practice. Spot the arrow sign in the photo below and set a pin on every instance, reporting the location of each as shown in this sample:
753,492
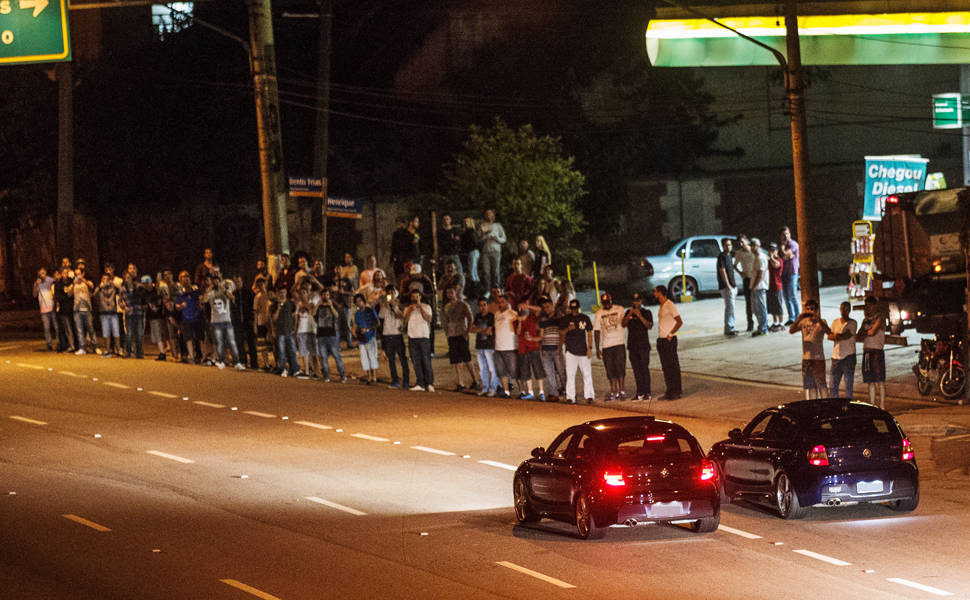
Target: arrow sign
37,5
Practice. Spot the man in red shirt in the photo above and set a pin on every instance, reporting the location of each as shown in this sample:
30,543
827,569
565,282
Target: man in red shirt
518,285
529,361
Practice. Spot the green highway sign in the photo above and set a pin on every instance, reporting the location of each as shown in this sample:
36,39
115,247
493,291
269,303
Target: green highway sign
34,31
950,111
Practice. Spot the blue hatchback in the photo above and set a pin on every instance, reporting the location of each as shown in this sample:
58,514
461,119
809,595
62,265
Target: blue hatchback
818,453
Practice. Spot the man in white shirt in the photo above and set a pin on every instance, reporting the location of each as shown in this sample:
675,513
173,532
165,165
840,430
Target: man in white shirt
417,316
393,337
506,344
814,329
872,332
668,322
608,327
843,352
759,287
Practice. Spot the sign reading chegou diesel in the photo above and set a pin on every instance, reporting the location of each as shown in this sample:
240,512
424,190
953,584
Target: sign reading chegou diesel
886,175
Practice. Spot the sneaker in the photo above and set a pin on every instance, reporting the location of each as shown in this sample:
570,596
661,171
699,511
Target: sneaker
106,355
459,388
589,400
522,395
609,397
431,388
542,397
482,392
325,380
80,352
789,323
490,394
417,388
240,367
757,333
621,396
220,365
98,351
343,379
284,373
527,396
301,375
570,401
394,386
638,398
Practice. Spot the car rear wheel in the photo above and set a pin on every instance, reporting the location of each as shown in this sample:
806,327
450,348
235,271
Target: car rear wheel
523,508
906,505
677,287
585,523
786,500
707,524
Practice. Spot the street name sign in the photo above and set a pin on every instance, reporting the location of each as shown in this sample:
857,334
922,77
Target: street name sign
950,111
34,31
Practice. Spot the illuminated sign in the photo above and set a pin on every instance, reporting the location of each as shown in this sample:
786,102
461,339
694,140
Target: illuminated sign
34,31
950,111
887,175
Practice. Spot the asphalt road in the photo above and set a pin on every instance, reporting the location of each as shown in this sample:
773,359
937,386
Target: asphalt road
124,479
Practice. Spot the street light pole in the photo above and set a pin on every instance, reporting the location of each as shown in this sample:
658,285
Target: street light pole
322,142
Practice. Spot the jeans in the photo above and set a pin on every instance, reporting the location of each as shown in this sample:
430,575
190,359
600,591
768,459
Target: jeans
223,332
473,257
110,327
329,345
421,360
760,307
66,329
395,351
50,328
842,368
486,369
789,288
586,368
670,362
287,350
746,291
134,341
85,329
555,368
491,264
728,294
640,361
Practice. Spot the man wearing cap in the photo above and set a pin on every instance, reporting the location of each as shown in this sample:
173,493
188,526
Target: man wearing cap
639,321
608,330
668,322
576,332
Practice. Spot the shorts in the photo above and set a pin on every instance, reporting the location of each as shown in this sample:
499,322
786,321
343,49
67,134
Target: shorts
458,350
505,363
530,365
873,366
368,355
157,331
192,330
306,344
614,359
774,302
813,373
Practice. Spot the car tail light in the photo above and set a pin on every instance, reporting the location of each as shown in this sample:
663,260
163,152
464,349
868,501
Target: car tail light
818,457
892,199
908,452
656,438
707,470
614,479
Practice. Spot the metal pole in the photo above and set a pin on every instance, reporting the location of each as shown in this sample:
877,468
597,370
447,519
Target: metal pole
322,142
65,161
808,271
266,94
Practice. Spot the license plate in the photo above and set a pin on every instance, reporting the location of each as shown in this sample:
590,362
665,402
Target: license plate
868,487
666,509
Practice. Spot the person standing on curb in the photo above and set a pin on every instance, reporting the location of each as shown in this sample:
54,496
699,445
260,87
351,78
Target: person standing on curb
727,286
550,349
758,287
365,327
456,317
576,332
872,332
608,324
528,360
492,237
744,265
669,322
788,250
484,329
775,265
417,315
639,321
44,292
814,329
393,338
506,344
843,352
328,340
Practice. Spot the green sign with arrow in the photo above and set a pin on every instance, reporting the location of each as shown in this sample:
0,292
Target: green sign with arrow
33,31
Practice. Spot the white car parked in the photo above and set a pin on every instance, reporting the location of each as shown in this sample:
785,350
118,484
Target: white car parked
699,266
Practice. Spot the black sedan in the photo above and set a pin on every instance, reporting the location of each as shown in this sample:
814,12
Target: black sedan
624,470
818,453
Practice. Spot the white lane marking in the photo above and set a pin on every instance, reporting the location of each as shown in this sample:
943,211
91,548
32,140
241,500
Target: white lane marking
823,558
536,574
919,586
163,394
346,509
432,450
743,534
313,425
26,420
86,523
2,348
373,438
256,413
249,589
29,366
209,404
493,463
120,386
72,374
186,461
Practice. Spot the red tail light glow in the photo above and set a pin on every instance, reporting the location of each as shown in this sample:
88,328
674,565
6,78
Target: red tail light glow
707,470
908,452
892,199
614,479
818,457
656,438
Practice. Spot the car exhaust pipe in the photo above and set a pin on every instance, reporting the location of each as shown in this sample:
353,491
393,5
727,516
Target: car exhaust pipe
834,502
630,522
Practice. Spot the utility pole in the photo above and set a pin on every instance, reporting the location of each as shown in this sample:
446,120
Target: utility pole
64,242
808,269
322,141
266,94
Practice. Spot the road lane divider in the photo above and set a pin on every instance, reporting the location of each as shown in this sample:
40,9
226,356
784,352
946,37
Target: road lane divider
823,558
919,586
86,523
120,386
26,420
208,404
163,395
536,574
432,451
738,532
372,438
186,461
249,589
493,463
346,509
30,366
312,424
72,374
256,413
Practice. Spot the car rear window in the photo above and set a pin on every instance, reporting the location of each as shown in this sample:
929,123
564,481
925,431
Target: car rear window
854,427
648,445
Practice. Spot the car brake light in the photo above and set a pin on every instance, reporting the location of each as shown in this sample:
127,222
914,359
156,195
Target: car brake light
614,479
818,457
707,470
655,438
892,199
908,452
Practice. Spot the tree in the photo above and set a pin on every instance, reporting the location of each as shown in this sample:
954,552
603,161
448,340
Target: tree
525,178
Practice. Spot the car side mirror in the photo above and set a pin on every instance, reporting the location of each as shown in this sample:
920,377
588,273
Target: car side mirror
538,452
735,434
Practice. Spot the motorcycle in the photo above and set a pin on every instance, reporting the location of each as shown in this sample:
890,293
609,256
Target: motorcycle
941,365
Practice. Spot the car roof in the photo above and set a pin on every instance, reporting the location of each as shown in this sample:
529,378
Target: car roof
621,423
830,407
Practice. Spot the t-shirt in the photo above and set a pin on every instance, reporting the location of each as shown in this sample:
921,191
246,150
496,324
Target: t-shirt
775,279
528,325
745,260
65,302
393,324
576,327
107,296
791,266
418,327
844,348
45,294
609,322
876,341
326,321
284,319
366,318
82,296
191,311
761,266
726,264
638,336
666,318
812,336
484,341
220,301
456,317
505,338
549,327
